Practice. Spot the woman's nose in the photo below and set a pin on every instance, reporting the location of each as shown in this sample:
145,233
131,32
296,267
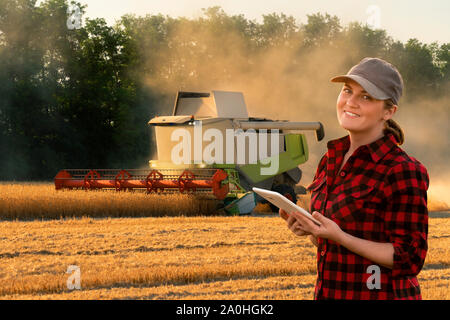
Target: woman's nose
351,101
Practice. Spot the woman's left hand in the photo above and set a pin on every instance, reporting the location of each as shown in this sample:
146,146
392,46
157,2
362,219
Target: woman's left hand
327,230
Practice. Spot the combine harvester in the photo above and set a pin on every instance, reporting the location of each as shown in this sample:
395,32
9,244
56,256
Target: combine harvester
217,162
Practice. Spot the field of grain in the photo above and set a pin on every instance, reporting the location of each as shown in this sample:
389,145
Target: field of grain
183,257
30,201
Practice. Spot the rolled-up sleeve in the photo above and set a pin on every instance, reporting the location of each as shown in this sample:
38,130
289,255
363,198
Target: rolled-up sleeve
406,216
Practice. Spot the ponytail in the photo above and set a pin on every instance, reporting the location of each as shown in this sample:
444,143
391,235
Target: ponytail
390,126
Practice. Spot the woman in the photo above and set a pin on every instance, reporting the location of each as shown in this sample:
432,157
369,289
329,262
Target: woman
369,195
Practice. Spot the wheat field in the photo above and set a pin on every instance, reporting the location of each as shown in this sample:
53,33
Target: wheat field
31,201
184,257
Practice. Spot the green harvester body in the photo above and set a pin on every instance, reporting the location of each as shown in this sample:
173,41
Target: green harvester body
220,112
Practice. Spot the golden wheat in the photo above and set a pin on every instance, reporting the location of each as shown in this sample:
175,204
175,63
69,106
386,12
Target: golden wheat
29,201
163,258
42,201
177,258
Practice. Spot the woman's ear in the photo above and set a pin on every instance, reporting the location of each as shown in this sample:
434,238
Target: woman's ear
389,113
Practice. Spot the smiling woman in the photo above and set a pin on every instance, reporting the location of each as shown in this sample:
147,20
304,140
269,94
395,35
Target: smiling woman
369,196
358,112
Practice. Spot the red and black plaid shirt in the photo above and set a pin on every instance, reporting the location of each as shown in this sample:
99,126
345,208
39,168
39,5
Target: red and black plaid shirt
379,195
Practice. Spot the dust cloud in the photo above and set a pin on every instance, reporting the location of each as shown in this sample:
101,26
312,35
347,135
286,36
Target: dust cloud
287,82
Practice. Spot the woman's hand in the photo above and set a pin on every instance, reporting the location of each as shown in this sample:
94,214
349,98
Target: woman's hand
327,230
292,224
381,253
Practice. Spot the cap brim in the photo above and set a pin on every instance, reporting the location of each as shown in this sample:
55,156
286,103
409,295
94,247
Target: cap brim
371,89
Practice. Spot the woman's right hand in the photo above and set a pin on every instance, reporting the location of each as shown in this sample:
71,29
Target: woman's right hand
292,223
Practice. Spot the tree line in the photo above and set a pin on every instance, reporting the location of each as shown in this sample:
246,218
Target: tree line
81,97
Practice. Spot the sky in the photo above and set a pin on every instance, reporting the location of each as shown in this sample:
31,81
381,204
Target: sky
428,21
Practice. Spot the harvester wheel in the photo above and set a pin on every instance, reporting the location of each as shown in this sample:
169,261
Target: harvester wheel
286,191
120,178
185,180
89,179
152,181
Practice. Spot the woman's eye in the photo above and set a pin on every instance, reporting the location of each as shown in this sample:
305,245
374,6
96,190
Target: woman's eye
366,97
347,90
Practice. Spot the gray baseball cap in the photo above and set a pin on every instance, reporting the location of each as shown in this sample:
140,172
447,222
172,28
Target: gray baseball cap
378,77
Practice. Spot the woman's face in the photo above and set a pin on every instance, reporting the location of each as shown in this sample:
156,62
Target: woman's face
358,112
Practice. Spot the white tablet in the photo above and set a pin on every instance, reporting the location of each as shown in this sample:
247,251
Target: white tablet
283,203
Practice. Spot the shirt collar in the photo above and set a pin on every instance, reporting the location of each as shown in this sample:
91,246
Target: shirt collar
377,149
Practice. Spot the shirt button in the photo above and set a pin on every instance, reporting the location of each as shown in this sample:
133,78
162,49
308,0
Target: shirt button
342,174
322,253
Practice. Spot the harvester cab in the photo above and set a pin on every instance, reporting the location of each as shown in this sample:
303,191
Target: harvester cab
210,146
